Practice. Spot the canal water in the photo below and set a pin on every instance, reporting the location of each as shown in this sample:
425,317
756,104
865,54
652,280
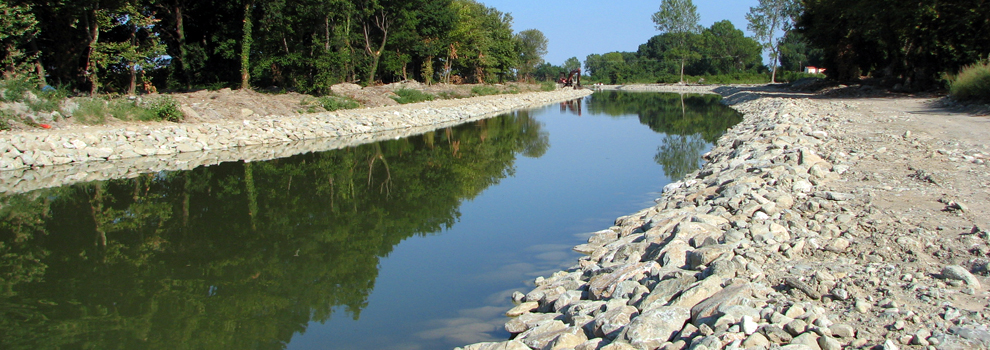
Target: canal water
414,243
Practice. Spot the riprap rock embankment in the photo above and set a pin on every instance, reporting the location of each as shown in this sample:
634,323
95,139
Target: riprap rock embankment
42,159
762,248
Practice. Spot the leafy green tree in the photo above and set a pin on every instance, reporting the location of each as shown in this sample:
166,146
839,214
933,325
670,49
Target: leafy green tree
18,27
679,18
548,72
726,49
908,45
796,53
572,64
767,20
532,47
482,42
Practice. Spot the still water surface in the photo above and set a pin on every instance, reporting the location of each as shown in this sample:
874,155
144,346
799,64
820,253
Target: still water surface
414,243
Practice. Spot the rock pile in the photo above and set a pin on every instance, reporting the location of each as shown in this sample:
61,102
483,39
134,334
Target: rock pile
28,160
757,250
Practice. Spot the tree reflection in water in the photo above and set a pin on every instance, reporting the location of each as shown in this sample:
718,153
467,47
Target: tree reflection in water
239,255
689,123
245,255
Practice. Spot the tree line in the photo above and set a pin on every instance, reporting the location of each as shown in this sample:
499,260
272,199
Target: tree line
915,46
301,45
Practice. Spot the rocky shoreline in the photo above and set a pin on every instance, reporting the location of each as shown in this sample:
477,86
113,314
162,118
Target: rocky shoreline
43,159
785,239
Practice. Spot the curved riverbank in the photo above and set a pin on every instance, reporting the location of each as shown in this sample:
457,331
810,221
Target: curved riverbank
816,224
42,159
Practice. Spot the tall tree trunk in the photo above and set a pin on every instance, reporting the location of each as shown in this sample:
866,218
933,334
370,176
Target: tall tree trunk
180,31
94,36
39,68
246,47
96,210
133,67
682,69
252,195
427,74
382,22
326,33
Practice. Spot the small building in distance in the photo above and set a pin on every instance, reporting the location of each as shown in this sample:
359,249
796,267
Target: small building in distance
814,70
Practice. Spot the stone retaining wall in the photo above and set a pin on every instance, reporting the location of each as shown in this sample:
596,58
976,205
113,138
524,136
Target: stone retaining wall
43,159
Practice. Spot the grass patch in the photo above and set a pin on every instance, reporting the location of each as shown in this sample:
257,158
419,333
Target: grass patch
129,110
91,111
334,103
447,95
13,89
548,86
484,90
5,118
412,96
972,83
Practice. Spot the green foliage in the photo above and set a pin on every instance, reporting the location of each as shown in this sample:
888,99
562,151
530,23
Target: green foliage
333,103
13,89
679,18
972,83
548,86
767,21
908,45
688,123
532,47
5,118
125,109
484,90
412,96
719,50
91,111
166,108
17,27
95,111
448,95
796,53
294,45
237,255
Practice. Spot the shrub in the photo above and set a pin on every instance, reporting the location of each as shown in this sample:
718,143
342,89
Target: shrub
165,108
412,96
447,95
484,90
548,86
972,83
333,103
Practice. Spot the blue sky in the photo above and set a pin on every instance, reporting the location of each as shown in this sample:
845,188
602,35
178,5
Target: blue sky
577,28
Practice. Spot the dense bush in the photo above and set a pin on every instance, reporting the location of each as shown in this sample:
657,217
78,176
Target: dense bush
972,83
165,108
412,96
333,103
548,86
484,90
